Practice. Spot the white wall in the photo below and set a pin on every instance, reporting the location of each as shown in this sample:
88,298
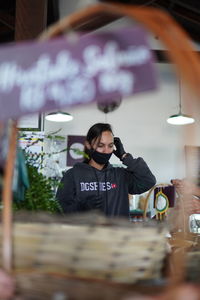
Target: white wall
140,122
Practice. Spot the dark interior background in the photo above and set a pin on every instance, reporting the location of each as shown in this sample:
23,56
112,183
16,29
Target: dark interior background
187,13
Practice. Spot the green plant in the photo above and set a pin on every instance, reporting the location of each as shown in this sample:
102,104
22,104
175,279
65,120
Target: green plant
40,195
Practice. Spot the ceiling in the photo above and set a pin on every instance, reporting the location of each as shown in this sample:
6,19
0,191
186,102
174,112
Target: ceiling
8,16
186,12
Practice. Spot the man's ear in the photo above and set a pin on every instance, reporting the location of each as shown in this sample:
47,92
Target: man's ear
87,145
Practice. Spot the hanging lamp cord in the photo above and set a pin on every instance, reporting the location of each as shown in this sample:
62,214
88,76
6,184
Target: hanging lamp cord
180,107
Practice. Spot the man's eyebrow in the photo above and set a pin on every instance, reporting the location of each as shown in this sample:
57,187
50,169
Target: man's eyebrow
105,143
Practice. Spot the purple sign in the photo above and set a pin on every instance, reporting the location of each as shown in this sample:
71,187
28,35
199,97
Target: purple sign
38,76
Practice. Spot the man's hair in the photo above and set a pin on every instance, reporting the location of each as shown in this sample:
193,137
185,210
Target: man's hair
95,133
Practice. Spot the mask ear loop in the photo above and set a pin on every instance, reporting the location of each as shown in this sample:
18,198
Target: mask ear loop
88,151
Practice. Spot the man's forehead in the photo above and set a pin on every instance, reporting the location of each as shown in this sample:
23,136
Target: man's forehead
106,136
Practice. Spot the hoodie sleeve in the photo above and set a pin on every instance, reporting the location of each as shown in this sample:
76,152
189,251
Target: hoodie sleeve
140,179
66,193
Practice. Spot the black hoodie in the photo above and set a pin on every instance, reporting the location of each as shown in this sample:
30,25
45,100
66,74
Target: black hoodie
84,188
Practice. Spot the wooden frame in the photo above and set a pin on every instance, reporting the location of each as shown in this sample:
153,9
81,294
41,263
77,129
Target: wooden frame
30,123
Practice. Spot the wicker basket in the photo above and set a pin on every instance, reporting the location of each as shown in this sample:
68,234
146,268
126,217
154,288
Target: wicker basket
115,254
92,252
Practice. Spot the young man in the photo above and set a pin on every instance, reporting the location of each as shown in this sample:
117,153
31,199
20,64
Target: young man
96,184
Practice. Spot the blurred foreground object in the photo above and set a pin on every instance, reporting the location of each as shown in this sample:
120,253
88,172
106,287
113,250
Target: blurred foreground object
86,248
7,286
181,292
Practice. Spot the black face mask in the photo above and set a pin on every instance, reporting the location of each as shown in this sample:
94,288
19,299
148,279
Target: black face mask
100,158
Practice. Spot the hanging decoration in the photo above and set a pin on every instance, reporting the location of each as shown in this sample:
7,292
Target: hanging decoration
164,197
161,205
109,105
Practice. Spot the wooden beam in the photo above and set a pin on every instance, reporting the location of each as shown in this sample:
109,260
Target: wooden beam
31,18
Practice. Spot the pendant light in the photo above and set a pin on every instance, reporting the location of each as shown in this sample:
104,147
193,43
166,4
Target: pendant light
59,116
180,119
